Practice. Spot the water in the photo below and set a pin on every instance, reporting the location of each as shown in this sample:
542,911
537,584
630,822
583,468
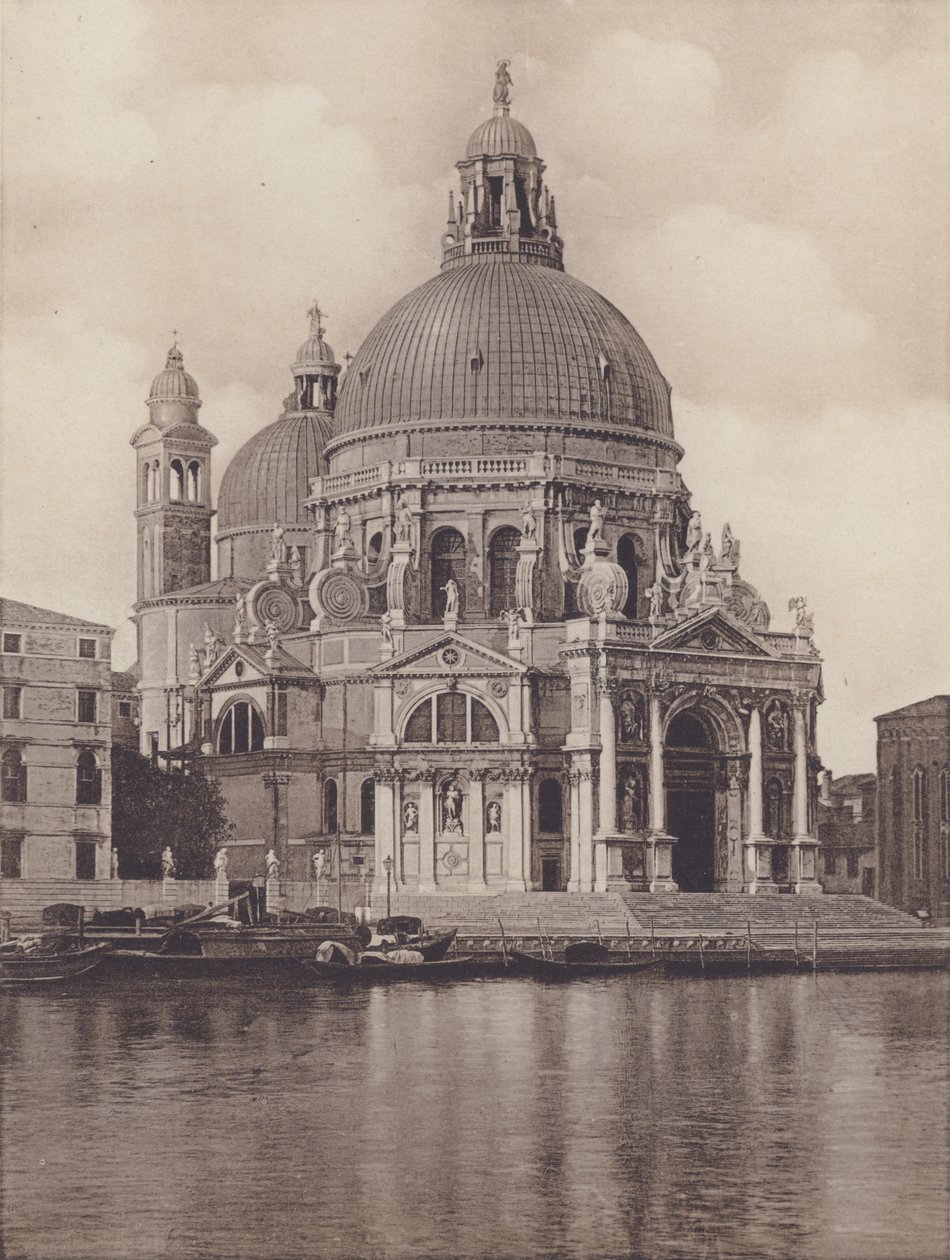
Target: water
786,1116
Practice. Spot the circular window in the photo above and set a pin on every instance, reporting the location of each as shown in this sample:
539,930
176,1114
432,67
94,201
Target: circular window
239,668
450,656
709,639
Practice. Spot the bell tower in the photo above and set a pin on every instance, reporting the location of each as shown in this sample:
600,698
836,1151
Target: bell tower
173,486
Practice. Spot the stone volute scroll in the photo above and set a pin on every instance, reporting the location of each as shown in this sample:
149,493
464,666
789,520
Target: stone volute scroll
529,551
402,556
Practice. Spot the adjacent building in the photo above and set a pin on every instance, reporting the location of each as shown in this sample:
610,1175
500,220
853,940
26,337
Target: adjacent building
913,774
467,628
55,742
847,832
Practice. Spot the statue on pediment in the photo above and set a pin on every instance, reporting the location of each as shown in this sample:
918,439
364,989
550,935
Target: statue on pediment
694,532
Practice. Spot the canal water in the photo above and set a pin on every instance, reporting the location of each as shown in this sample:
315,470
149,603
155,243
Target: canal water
777,1117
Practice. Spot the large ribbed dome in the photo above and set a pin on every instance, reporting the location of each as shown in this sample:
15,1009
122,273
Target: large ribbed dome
502,339
499,135
269,478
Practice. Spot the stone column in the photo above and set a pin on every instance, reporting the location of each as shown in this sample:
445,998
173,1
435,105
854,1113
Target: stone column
803,849
757,855
428,824
573,883
476,829
385,846
276,782
526,826
657,796
514,833
607,791
585,828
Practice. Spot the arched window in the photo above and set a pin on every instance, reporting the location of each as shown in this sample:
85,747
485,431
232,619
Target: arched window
13,776
88,779
503,569
176,486
194,482
774,809
448,561
550,807
920,784
373,550
241,729
627,559
367,808
331,817
146,483
687,731
451,717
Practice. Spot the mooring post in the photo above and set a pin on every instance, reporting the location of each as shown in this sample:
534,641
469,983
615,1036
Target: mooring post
653,935
814,949
702,957
796,945
748,946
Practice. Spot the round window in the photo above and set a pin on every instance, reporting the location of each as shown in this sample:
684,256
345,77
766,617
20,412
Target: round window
709,639
450,656
239,668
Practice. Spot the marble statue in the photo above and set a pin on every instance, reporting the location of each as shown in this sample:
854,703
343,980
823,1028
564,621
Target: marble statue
493,816
386,627
319,864
501,94
451,597
296,566
114,863
168,862
694,532
776,729
451,807
341,527
194,664
707,556
631,721
271,864
410,816
277,543
529,526
240,614
403,521
631,804
221,863
272,631
729,557
655,595
596,531
213,645
804,620
512,619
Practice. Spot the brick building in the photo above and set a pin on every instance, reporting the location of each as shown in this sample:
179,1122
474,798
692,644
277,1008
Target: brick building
55,742
913,772
847,832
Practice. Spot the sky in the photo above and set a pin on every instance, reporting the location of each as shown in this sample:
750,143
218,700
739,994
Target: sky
761,187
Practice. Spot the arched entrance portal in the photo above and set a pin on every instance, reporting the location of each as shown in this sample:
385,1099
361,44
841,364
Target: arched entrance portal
690,757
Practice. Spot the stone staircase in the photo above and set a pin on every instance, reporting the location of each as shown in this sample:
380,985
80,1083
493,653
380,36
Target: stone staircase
702,912
562,914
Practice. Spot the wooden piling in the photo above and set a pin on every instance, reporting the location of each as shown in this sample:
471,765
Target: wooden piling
814,949
748,946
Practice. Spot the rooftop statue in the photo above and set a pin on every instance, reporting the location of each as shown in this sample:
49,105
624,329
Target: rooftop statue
403,521
595,533
502,93
341,527
729,558
804,620
451,597
529,526
694,532
277,543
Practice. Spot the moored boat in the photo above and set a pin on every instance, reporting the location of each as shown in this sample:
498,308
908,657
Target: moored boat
378,967
591,960
48,959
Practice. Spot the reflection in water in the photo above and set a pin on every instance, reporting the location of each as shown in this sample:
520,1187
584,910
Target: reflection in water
782,1116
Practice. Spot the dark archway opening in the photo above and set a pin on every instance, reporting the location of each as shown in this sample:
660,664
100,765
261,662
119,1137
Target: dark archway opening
690,758
627,559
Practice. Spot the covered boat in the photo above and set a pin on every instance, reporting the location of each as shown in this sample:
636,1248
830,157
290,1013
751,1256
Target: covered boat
48,958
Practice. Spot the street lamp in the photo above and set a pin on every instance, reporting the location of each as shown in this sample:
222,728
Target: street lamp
388,863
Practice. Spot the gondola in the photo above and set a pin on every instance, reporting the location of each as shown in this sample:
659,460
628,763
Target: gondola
408,931
562,968
48,959
375,966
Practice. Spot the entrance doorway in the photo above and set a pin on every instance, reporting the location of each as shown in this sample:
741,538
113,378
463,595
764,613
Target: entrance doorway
550,875
690,816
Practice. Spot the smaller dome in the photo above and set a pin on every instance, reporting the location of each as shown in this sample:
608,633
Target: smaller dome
315,353
499,136
174,383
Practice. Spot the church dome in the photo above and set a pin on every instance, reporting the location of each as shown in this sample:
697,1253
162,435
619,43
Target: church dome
501,134
499,339
174,384
269,478
314,353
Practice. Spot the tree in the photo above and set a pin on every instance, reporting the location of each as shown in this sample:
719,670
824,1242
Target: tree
152,809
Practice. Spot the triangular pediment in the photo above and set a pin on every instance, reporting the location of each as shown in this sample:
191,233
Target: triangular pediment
713,632
241,664
436,657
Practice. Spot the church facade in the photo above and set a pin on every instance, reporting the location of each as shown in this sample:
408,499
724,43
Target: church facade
467,630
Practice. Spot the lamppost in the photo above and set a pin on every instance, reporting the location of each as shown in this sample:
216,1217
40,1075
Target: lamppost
388,863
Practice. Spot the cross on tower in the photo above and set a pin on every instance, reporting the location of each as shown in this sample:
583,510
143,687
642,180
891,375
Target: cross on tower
316,316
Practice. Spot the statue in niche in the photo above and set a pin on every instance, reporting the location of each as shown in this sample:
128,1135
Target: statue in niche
194,664
451,597
277,543
501,94
403,521
776,729
296,566
493,817
729,557
596,531
272,631
694,532
631,803
168,862
529,526
114,863
213,645
341,528
386,627
452,807
319,861
271,864
410,817
631,718
221,863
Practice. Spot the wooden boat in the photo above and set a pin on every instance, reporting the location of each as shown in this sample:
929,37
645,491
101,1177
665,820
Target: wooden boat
408,931
48,959
375,967
562,968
